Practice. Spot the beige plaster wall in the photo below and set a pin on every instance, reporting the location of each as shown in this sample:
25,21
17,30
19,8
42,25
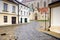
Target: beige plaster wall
9,18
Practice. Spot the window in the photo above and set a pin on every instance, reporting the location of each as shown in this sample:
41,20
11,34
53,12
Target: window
32,7
13,9
21,20
21,12
5,18
21,6
5,7
24,7
29,13
24,12
25,20
37,4
44,4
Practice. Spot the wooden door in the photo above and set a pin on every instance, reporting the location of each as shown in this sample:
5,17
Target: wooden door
13,20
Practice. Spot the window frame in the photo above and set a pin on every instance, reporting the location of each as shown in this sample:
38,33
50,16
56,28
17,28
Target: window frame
5,7
5,19
13,9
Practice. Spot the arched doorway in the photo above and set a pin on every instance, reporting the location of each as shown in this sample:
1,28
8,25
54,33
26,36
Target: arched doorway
35,16
13,20
25,20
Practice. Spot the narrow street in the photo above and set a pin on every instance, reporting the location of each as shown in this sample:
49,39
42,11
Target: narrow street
29,32
27,19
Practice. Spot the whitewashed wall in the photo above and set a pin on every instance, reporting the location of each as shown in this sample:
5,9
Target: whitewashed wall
55,16
55,20
23,15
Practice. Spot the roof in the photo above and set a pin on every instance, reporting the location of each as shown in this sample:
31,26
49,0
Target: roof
16,2
54,4
12,1
21,3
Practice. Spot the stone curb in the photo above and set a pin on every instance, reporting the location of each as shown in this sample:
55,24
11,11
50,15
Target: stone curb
53,34
14,25
9,25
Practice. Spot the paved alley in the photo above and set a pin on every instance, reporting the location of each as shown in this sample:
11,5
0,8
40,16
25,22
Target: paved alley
29,32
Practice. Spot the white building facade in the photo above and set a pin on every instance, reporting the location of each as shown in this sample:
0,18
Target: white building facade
23,13
8,12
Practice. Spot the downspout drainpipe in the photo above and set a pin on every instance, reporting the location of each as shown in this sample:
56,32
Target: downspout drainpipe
49,20
45,13
18,11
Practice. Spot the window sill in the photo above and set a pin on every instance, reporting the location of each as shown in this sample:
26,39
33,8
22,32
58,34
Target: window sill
5,22
5,11
13,12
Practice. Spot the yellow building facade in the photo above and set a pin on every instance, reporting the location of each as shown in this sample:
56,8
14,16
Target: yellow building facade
9,19
8,12
8,16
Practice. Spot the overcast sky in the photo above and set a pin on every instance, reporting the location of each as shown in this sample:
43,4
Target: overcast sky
20,0
25,0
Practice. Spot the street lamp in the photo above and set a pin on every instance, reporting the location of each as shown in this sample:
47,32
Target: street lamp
45,10
45,14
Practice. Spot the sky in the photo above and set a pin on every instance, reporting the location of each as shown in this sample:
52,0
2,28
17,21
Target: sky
20,0
24,1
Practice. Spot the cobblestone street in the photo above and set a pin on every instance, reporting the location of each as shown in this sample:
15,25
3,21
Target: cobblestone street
29,20
29,32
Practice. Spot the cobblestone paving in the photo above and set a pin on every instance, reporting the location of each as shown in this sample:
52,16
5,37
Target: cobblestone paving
28,32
